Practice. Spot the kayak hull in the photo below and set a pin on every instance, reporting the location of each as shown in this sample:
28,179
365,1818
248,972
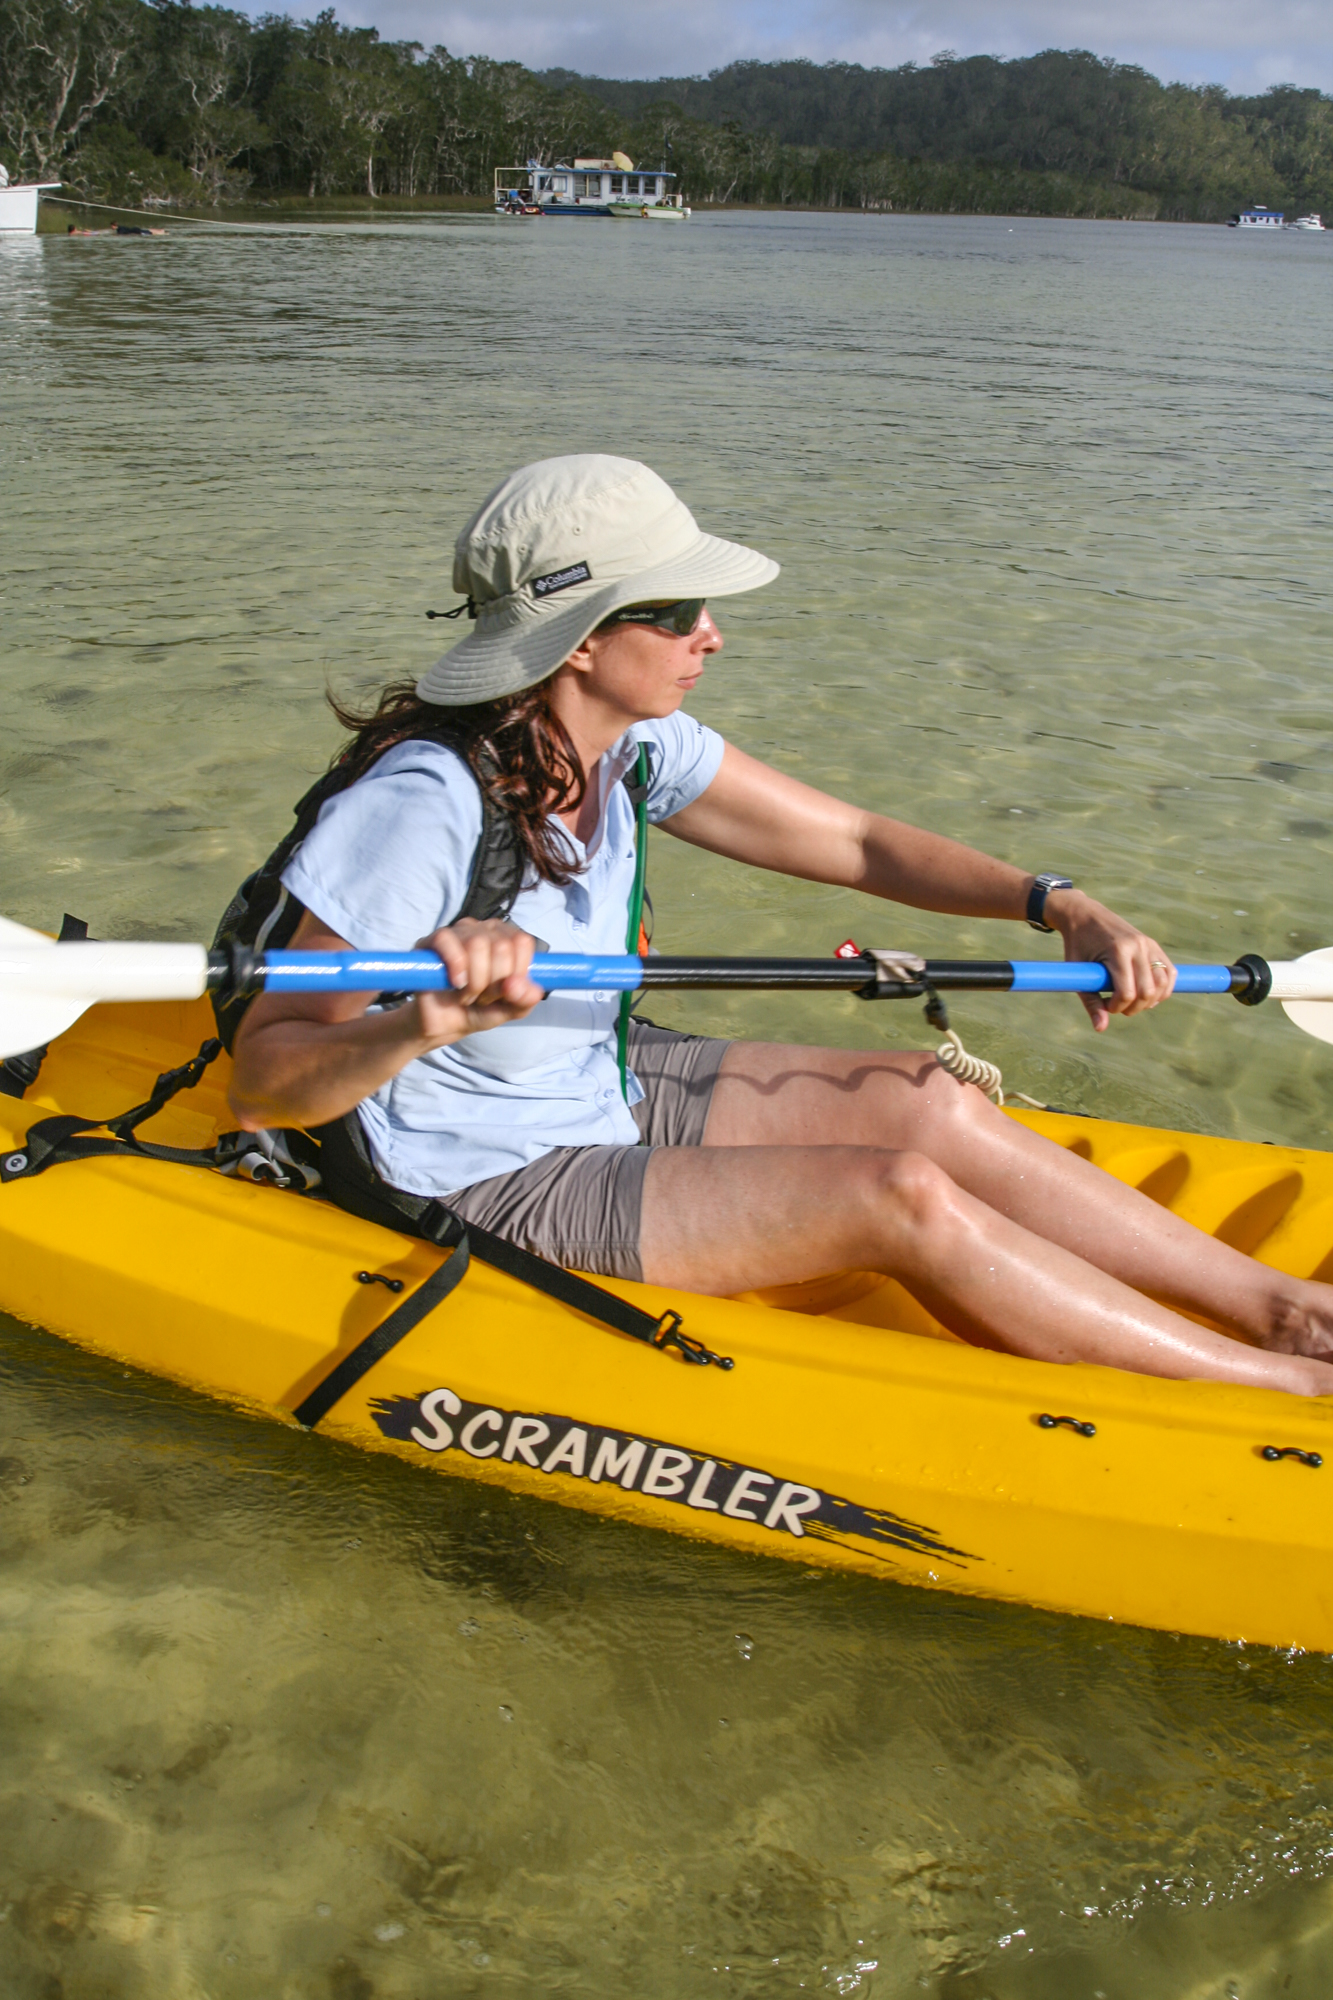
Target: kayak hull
852,1431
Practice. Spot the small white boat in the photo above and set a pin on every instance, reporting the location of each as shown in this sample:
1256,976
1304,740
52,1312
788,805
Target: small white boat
18,204
672,209
1257,217
589,187
1311,221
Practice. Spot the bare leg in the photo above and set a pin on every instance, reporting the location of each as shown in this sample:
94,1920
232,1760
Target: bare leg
725,1219
768,1093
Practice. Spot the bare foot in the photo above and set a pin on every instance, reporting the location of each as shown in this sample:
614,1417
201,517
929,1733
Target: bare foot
1320,1378
1301,1321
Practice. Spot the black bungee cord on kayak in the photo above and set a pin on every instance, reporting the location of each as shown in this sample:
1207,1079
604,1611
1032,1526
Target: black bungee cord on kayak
333,1160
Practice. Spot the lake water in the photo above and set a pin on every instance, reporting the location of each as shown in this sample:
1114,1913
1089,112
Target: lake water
1053,504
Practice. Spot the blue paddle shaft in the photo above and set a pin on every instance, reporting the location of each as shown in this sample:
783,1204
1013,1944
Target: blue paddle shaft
572,972
1042,975
423,972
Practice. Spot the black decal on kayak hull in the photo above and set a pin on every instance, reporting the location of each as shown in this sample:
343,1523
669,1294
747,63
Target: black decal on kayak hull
438,1421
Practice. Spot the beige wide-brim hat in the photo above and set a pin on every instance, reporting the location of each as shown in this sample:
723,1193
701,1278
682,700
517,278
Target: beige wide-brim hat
557,548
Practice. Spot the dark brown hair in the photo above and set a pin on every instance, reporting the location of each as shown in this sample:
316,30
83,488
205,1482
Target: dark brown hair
517,749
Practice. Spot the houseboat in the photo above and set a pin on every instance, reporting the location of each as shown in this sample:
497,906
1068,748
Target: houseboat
1257,217
588,187
18,204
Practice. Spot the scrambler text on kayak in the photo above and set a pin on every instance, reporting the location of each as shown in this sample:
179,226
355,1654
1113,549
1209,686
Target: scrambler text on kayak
438,1420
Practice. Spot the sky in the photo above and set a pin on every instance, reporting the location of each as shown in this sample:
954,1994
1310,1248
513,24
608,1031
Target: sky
1237,43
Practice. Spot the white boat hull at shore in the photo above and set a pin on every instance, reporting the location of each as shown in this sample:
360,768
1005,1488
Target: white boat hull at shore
18,206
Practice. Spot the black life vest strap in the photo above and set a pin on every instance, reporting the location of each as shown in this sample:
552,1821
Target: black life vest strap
346,1172
262,914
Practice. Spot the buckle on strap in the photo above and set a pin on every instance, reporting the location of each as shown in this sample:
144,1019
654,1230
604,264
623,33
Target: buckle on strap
167,1086
439,1225
669,1335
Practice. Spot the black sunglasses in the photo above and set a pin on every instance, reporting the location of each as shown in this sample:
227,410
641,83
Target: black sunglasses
682,617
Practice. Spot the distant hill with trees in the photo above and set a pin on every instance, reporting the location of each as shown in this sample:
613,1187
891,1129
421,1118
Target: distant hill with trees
167,102
1198,150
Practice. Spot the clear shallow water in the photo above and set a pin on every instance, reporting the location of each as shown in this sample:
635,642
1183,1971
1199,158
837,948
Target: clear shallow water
1053,505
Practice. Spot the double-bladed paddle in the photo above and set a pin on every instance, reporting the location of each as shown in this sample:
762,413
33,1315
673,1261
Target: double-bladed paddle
45,986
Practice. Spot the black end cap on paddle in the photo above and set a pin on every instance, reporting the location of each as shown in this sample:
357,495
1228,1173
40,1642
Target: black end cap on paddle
1257,974
235,969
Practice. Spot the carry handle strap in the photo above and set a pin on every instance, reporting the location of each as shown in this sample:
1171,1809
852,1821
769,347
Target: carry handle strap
348,1372
440,1225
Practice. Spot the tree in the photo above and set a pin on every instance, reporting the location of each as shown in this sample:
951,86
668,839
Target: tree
61,63
170,101
200,84
308,128
366,87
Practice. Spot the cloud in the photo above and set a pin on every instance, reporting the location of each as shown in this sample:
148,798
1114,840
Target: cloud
1196,41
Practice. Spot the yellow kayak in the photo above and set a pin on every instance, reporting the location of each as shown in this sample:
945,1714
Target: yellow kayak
852,1432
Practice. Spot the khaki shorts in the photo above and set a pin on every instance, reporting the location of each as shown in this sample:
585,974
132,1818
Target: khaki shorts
580,1205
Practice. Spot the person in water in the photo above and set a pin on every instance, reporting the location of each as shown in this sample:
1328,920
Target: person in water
720,1166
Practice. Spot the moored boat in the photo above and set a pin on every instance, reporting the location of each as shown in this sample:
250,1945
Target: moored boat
851,1432
18,204
596,187
1309,222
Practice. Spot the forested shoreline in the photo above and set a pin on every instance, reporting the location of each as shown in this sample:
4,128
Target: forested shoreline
170,104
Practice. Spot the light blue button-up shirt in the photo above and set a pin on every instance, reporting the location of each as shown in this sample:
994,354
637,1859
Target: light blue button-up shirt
388,862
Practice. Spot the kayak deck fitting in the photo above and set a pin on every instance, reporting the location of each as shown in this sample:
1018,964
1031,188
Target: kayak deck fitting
853,1431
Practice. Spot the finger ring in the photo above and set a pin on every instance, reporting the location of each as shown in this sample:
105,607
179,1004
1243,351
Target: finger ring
1160,961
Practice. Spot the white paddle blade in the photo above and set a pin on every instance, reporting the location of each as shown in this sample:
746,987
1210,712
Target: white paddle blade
22,1029
1315,1016
15,934
44,989
1305,988
30,1021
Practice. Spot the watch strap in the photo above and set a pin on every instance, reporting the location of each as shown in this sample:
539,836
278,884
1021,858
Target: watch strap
1037,895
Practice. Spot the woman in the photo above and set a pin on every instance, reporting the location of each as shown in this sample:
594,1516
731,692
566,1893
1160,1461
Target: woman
721,1166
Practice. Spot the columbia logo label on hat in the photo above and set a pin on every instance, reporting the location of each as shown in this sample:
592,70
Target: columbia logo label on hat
511,560
560,579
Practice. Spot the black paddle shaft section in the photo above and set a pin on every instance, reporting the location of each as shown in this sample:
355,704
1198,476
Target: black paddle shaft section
242,971
845,975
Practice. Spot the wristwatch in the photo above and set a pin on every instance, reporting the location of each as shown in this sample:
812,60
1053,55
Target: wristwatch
1037,895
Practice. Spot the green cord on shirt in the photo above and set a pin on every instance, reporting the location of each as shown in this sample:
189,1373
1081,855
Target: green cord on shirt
635,908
